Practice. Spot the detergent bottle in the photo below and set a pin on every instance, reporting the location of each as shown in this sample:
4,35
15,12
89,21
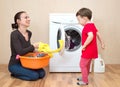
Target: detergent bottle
99,65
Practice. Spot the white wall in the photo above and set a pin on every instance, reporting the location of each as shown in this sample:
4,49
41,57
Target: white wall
106,17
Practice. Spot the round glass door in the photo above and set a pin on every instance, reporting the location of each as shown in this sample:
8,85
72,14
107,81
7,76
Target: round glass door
72,38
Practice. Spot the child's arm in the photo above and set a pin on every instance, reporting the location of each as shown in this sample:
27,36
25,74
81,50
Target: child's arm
100,39
88,40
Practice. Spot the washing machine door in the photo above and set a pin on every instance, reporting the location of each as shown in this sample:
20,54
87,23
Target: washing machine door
71,37
61,36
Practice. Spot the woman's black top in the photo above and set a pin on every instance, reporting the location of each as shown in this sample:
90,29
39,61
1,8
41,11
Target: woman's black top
19,46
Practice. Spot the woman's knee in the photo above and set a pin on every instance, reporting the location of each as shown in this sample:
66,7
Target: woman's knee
42,73
33,76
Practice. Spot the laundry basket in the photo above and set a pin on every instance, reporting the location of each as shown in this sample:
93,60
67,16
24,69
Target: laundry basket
31,61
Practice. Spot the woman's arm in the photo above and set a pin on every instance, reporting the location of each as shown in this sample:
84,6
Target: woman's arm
17,45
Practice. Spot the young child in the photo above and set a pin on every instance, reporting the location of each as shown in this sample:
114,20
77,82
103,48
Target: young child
89,43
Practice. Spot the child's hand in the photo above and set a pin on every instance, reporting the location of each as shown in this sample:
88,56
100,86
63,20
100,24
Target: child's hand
103,46
83,48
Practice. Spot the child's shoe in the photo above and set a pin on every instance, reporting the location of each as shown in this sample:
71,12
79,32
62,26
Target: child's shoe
81,83
79,79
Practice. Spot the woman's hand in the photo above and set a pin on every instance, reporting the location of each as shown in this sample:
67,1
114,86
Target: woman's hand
36,45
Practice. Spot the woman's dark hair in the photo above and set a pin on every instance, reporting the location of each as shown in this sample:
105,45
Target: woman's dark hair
84,12
17,16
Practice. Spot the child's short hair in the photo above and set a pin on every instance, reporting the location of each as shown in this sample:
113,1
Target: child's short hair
84,12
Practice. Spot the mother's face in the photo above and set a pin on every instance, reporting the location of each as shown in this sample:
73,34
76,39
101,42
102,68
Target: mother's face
24,20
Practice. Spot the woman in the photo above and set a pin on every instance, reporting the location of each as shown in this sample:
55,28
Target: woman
20,44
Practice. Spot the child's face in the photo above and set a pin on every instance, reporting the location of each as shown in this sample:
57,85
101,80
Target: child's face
81,20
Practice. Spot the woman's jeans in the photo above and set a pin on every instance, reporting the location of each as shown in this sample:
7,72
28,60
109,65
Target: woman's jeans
26,74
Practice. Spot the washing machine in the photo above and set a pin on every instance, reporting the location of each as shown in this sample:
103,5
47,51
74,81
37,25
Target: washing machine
65,26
